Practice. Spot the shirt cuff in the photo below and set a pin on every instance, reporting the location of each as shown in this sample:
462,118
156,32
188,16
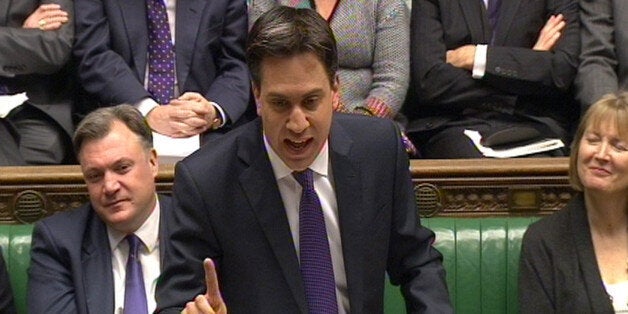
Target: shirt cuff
479,61
146,105
223,116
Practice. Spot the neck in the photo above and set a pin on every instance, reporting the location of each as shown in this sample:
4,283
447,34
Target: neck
606,214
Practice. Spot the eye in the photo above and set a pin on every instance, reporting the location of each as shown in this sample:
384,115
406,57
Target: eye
279,104
311,103
93,177
592,139
123,168
620,146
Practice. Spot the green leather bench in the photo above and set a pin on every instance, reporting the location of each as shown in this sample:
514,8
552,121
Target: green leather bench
481,256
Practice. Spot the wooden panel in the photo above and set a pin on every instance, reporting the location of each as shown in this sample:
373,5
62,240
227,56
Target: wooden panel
482,187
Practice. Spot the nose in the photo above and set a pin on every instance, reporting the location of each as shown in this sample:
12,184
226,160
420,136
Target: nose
602,152
297,121
111,184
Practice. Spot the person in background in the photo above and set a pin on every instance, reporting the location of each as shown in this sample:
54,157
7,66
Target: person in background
309,209
36,40
181,63
491,66
106,256
373,39
604,50
574,261
7,305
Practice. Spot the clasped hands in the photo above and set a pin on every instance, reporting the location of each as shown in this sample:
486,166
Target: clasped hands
186,116
463,57
211,302
47,17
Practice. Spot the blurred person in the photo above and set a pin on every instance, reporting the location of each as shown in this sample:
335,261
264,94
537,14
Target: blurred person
575,261
7,305
491,66
36,40
106,256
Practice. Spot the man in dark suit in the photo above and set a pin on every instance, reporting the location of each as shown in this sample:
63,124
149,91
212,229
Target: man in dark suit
491,65
7,304
242,204
36,39
78,257
211,82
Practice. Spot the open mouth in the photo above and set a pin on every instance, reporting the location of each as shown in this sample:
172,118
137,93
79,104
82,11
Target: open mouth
298,145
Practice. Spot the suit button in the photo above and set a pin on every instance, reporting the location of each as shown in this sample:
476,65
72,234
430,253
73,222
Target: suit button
429,125
498,70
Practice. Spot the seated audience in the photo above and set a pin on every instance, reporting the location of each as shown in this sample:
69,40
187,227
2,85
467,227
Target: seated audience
126,54
6,295
106,256
308,209
373,38
604,44
575,260
35,46
498,67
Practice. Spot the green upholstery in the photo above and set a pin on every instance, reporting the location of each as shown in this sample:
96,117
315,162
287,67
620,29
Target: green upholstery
481,257
16,247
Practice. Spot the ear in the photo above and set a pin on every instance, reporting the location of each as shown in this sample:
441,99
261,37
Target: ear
335,93
154,162
258,102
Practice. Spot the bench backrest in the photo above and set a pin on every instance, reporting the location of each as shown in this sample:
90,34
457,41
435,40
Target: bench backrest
481,257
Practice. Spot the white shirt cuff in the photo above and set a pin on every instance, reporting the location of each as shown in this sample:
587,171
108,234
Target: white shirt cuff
146,105
223,116
479,61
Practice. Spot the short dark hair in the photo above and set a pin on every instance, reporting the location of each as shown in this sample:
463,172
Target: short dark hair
284,32
610,107
97,124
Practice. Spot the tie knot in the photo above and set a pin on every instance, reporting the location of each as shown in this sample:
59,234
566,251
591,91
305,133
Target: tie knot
304,178
134,244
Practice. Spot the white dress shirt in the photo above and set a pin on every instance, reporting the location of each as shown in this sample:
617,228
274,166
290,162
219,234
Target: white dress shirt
148,256
290,191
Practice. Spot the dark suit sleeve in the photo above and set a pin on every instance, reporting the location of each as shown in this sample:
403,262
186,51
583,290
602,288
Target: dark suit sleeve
191,241
6,294
231,87
412,261
597,74
523,71
50,286
28,50
102,71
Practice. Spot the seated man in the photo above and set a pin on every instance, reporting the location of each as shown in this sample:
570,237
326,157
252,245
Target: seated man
301,210
181,63
106,256
491,66
35,45
6,294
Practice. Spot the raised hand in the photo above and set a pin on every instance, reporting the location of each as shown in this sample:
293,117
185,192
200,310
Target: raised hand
211,302
550,33
47,17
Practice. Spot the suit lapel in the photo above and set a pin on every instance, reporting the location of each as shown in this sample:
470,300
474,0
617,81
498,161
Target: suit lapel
346,175
137,32
507,14
479,28
4,12
96,267
189,13
260,186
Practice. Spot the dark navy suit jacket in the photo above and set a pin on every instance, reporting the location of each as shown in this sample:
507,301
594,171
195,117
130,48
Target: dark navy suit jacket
70,269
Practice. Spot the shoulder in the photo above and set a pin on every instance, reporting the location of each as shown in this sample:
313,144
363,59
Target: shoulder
556,229
69,225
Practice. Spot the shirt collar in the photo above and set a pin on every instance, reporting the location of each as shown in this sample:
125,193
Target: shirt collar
148,232
320,164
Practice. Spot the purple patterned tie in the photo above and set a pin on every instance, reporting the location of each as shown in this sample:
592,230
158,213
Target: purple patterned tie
134,291
316,268
160,53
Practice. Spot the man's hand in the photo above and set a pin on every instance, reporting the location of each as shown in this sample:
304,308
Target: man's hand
189,115
211,302
462,57
47,17
550,33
